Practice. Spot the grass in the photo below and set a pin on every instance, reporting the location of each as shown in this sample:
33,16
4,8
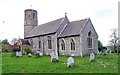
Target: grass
0,63
102,64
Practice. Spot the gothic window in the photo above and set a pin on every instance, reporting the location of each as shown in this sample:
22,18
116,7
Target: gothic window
89,40
49,42
63,45
39,44
72,44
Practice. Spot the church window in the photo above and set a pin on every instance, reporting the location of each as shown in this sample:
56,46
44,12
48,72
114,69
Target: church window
63,45
49,42
89,40
39,44
72,44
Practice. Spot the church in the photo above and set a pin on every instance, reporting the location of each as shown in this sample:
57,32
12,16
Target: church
61,35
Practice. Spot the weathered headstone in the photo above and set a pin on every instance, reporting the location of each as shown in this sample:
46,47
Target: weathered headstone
92,57
54,56
17,53
81,54
70,62
37,53
29,55
20,54
72,55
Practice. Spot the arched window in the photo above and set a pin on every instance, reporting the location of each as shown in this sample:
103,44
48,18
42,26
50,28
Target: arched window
72,44
89,40
62,45
49,42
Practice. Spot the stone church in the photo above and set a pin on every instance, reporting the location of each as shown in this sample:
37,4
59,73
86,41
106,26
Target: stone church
61,35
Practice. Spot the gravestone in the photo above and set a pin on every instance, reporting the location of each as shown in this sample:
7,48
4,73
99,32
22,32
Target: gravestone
70,62
54,56
37,53
29,55
72,55
92,57
20,54
17,53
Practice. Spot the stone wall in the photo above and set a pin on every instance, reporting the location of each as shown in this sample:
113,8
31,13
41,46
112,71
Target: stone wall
68,50
44,43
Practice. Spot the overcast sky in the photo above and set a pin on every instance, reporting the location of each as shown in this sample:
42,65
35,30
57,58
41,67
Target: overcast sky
103,14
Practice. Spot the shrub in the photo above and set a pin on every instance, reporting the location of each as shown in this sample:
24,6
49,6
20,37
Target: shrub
15,49
27,50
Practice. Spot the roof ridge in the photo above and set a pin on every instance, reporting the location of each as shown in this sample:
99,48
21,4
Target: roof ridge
78,20
52,21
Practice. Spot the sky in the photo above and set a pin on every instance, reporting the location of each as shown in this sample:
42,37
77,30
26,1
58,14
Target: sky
103,14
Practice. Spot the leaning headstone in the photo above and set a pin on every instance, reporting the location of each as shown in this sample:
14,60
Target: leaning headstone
70,62
92,57
29,55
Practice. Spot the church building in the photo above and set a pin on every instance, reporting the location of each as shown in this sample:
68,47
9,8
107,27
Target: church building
61,35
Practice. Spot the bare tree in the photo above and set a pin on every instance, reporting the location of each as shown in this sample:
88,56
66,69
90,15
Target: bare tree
114,39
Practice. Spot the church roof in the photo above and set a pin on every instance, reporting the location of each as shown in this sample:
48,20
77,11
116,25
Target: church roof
74,28
47,28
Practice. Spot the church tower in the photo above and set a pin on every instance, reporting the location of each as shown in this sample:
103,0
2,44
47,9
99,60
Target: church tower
30,20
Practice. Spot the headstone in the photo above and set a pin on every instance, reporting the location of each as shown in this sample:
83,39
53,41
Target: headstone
70,62
37,53
109,50
72,55
106,52
54,56
92,57
20,54
29,55
41,54
17,53
81,54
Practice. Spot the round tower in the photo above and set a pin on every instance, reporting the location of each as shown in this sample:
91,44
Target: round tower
30,20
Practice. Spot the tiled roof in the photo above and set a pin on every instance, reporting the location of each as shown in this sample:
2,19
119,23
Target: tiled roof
47,28
74,28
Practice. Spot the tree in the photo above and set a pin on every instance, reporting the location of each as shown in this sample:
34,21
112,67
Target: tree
114,40
5,45
100,46
5,41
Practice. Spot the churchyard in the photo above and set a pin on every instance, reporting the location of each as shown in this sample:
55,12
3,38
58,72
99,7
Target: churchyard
102,64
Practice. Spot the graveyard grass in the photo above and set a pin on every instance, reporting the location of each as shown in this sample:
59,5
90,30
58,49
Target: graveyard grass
102,64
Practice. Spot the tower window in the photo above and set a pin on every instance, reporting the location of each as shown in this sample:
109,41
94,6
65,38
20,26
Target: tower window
33,15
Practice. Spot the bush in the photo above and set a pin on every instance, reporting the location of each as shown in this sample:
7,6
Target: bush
27,50
15,49
5,48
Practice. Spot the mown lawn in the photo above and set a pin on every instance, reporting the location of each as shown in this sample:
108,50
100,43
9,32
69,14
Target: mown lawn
0,63
102,64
